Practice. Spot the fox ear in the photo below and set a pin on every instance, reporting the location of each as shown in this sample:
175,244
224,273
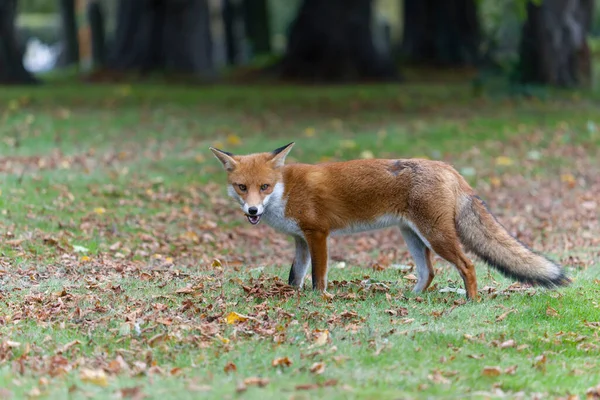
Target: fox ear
225,157
280,154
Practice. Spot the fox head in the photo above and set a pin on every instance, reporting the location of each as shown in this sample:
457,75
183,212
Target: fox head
253,179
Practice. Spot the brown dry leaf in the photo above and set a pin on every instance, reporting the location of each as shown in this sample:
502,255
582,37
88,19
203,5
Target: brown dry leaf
94,376
505,314
540,362
281,361
491,371
511,370
307,386
134,393
508,343
230,367
349,314
317,368
241,387
117,365
569,179
411,277
157,339
437,377
593,393
322,337
256,381
68,346
551,312
34,392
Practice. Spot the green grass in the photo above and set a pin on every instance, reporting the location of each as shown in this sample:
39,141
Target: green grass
111,202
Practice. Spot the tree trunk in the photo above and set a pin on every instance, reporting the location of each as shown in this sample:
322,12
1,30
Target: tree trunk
441,32
256,22
69,32
96,20
554,48
163,35
11,59
332,41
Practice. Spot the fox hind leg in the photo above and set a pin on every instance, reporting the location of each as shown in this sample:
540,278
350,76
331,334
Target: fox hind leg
446,244
422,256
301,263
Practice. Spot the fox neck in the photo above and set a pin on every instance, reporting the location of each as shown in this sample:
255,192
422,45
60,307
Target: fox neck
275,213
274,203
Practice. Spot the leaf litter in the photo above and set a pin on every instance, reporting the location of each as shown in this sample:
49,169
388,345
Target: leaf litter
190,242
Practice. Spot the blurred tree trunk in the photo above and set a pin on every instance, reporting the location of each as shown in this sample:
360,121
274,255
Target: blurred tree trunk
441,32
256,22
163,35
96,19
332,41
554,48
11,59
69,32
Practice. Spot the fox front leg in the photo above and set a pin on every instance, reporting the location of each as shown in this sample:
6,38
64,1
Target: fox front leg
317,245
301,263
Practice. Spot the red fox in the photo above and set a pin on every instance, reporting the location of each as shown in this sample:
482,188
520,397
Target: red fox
430,201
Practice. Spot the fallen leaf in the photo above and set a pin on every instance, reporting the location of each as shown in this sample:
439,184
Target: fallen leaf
95,376
80,249
256,381
540,361
511,370
491,371
504,161
367,154
505,314
134,392
307,386
68,346
234,317
569,179
309,132
593,393
230,367
437,377
281,361
317,368
507,344
234,140
411,277
551,312
321,339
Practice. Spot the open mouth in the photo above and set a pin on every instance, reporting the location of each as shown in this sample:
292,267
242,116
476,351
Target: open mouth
254,219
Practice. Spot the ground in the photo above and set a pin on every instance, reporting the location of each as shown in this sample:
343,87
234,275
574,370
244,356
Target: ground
126,271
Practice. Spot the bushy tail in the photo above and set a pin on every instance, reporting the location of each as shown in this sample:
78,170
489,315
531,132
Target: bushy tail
482,234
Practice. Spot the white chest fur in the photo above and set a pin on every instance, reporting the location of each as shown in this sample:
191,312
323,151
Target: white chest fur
274,214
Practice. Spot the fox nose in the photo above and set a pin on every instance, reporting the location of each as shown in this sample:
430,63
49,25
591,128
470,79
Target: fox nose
252,210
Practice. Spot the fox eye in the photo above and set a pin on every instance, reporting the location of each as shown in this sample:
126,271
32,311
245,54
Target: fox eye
264,187
243,188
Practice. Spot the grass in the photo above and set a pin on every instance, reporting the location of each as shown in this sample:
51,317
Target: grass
122,258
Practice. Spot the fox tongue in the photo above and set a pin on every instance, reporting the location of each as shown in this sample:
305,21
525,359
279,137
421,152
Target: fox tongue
254,219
